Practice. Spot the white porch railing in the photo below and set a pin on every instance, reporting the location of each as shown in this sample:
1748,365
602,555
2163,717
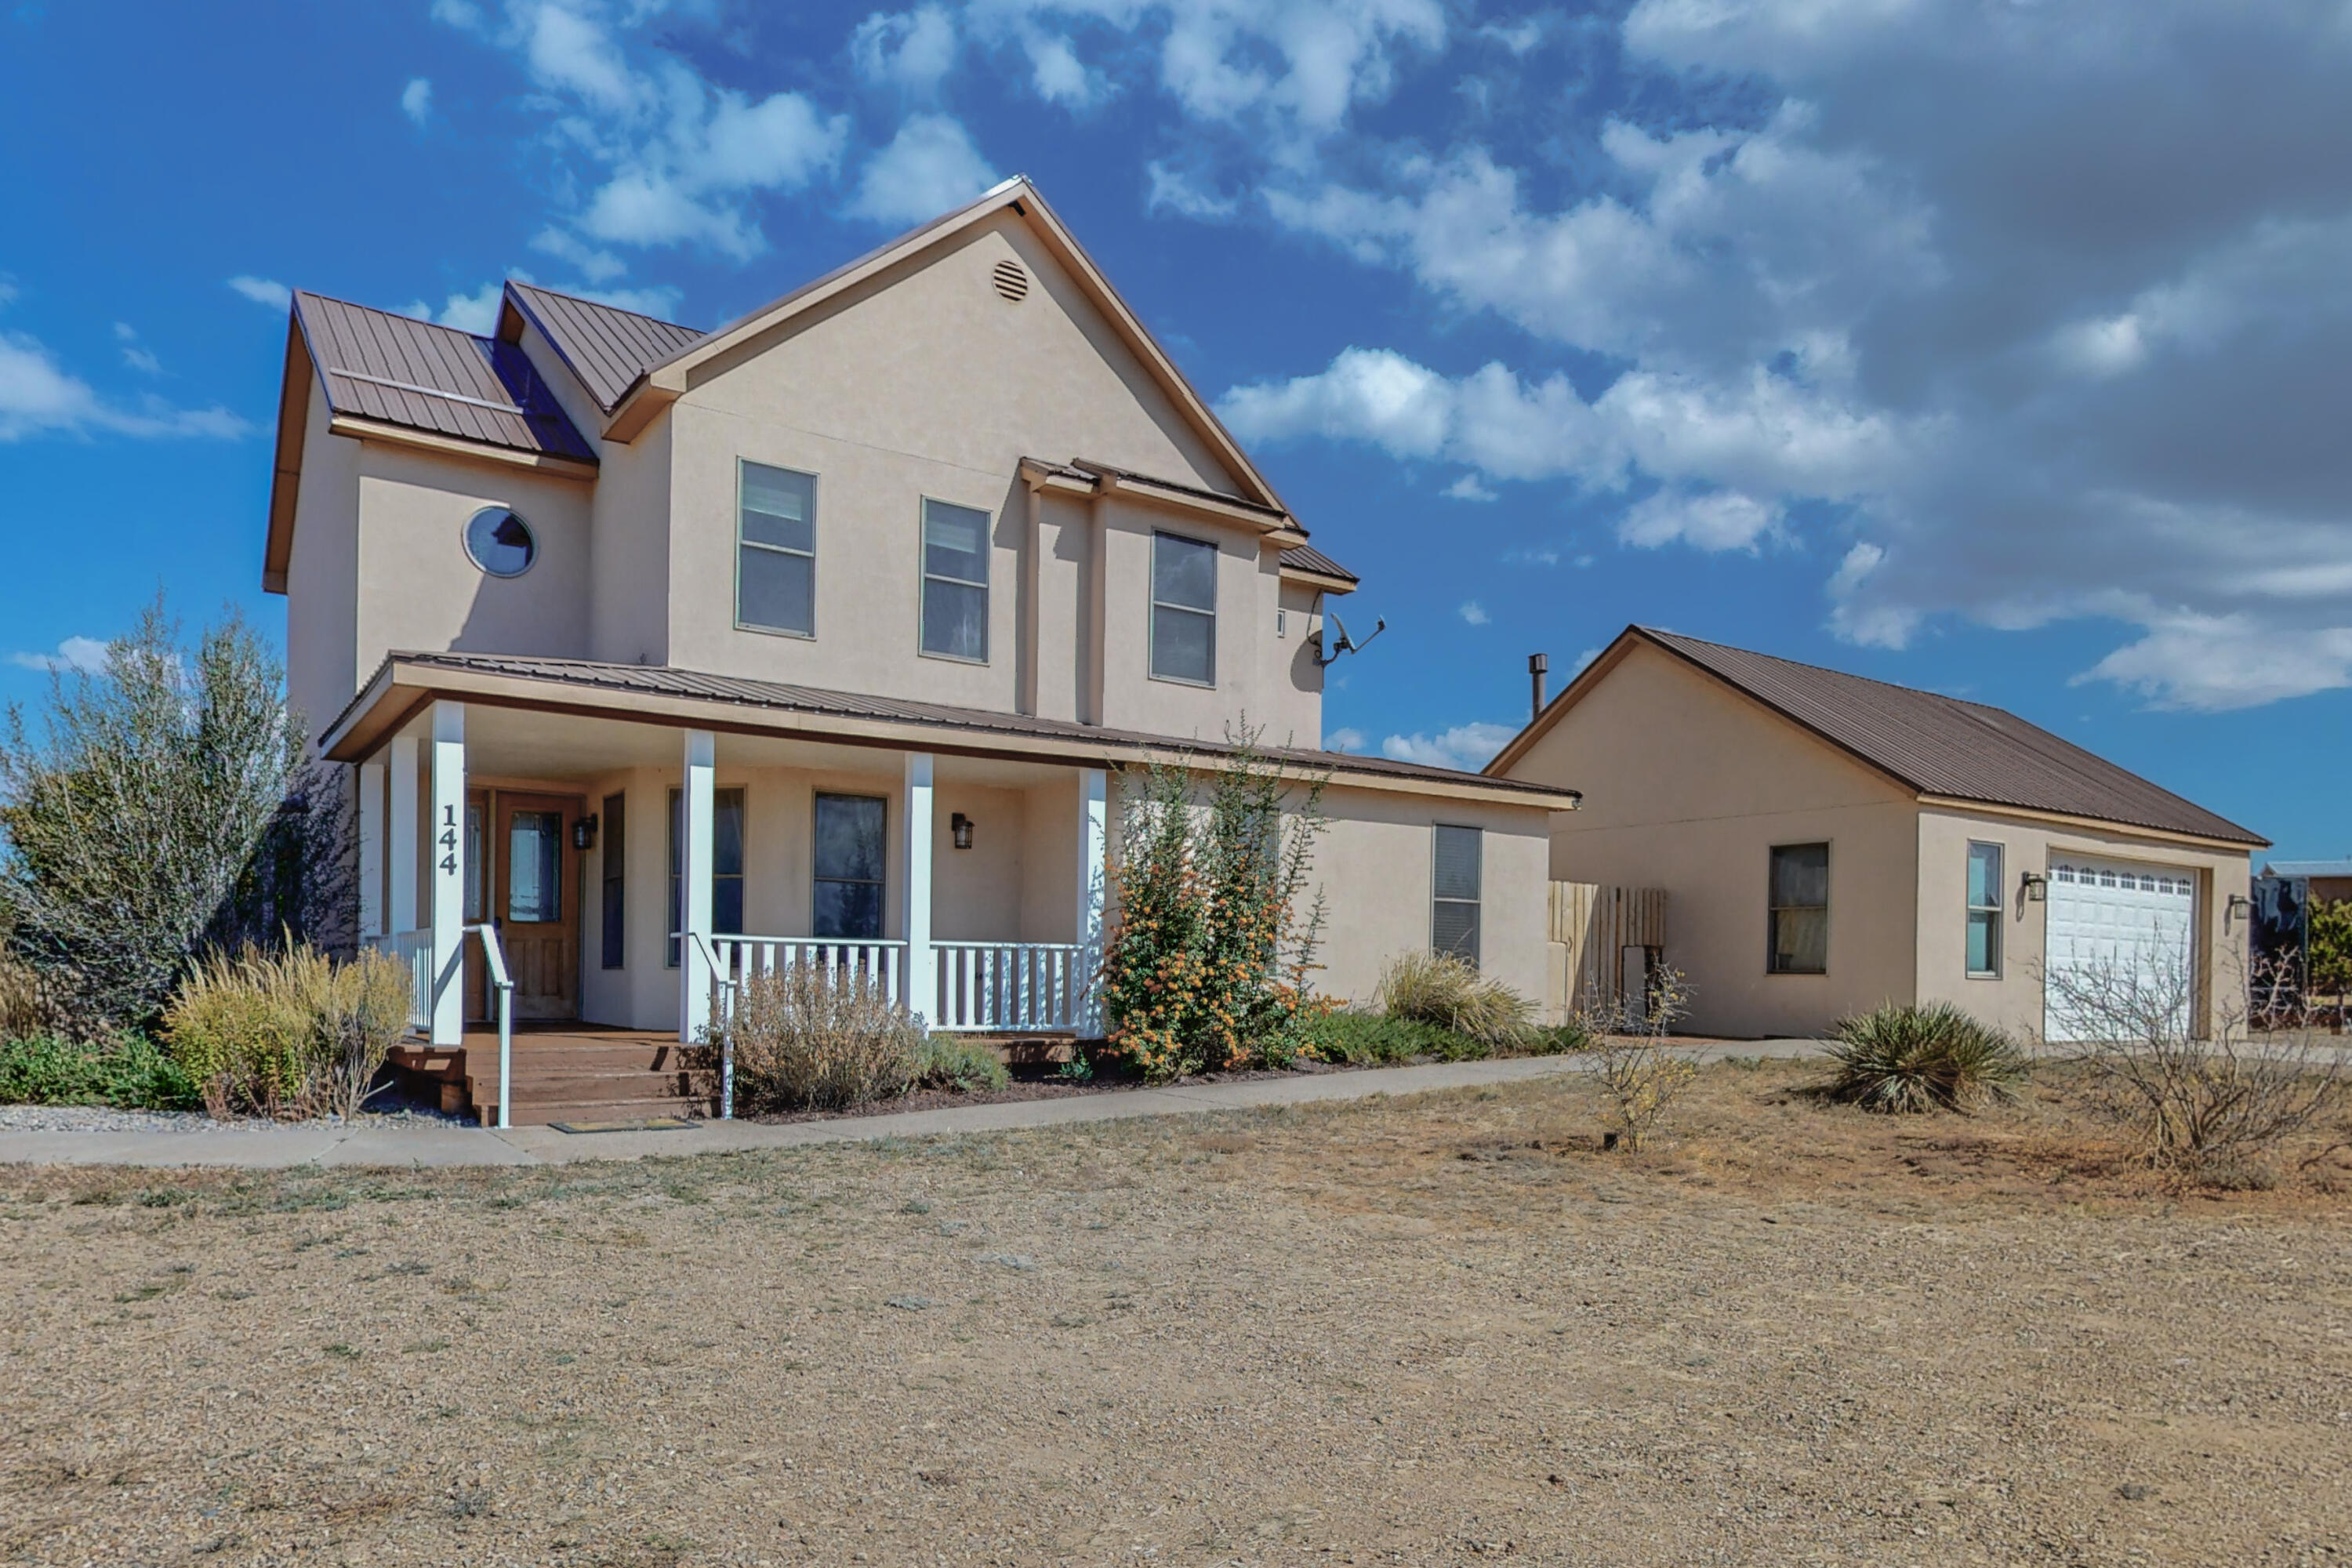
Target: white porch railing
991,988
878,966
414,948
494,960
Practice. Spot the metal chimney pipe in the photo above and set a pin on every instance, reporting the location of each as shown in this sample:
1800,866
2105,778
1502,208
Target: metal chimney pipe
1539,665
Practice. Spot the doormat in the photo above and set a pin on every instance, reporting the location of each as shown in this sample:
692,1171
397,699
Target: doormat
650,1124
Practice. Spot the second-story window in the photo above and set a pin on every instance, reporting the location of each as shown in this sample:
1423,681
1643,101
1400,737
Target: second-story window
1183,609
955,581
775,551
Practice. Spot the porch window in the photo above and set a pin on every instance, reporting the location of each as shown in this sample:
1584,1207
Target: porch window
534,867
1455,857
1183,610
775,554
851,852
1799,909
955,581
725,865
614,830
1984,911
474,861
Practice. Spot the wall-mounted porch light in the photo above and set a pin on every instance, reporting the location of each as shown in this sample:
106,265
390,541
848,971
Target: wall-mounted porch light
583,833
2034,886
960,826
2241,908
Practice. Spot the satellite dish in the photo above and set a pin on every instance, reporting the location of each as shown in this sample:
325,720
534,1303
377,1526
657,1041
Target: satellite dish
1332,648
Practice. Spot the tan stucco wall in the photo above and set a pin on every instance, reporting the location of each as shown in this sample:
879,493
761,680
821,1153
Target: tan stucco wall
1374,870
421,589
322,585
1687,785
2014,999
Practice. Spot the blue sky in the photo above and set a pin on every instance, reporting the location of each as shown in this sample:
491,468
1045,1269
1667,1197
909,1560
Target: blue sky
1997,348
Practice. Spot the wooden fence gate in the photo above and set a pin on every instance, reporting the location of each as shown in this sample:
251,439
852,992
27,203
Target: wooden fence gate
1604,943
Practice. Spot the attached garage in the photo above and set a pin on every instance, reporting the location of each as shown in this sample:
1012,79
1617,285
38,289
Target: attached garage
2124,923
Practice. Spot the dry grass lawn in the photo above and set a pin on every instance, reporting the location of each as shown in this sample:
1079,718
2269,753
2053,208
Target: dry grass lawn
1415,1331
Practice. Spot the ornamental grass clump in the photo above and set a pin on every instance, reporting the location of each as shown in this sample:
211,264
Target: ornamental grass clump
816,1037
1440,989
287,1032
1912,1060
1207,967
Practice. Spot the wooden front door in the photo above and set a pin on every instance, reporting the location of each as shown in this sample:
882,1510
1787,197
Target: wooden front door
532,897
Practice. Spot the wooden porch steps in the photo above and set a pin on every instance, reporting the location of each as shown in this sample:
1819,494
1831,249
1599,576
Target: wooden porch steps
567,1072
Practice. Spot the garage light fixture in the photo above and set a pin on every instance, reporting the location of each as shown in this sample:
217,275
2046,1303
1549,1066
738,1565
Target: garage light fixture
583,832
2034,887
960,826
2241,908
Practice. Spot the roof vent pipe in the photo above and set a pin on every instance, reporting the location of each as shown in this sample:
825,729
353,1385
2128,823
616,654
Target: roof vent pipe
1539,665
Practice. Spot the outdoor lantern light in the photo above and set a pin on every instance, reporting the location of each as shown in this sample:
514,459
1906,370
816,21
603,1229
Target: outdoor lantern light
960,825
2241,907
583,833
2035,886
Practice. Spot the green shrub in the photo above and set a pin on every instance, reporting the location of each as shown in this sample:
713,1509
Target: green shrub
289,1033
946,1062
131,1073
1438,988
817,1038
1376,1039
1911,1059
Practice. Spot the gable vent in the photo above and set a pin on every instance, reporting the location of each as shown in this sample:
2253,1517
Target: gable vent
1011,281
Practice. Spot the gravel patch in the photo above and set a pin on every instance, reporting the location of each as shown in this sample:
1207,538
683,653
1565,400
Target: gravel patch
103,1118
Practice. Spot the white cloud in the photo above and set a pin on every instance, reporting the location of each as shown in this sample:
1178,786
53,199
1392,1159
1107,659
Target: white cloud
463,15
667,158
596,266
476,312
1059,76
2214,662
1173,190
416,100
1468,747
39,396
136,354
1709,520
87,655
929,167
263,291
1576,666
1467,488
1344,740
1472,612
910,49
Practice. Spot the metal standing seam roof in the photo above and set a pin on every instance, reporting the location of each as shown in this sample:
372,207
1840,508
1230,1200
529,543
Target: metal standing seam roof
2307,868
1306,558
665,680
376,364
608,347
1942,746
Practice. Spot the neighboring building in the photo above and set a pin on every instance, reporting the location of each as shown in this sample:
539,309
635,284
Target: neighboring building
1827,843
836,625
2326,881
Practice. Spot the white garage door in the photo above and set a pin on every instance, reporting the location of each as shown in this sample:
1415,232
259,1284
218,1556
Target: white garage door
2137,918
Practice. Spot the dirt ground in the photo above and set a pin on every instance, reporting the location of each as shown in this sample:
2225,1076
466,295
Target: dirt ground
1423,1331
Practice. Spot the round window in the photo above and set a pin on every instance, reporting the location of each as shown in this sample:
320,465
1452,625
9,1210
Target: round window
499,541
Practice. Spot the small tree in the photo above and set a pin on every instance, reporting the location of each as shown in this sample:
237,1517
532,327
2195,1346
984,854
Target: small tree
135,816
1208,964
2329,947
1639,1073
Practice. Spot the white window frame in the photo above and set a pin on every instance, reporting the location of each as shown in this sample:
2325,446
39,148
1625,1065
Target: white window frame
925,575
1155,603
742,544
1997,947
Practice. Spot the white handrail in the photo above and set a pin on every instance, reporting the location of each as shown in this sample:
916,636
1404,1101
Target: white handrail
726,984
495,958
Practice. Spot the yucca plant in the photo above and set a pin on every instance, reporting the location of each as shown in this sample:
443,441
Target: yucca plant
1438,988
1910,1060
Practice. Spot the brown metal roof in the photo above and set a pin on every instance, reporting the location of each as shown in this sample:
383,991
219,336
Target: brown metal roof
1306,558
663,680
607,347
1941,745
375,364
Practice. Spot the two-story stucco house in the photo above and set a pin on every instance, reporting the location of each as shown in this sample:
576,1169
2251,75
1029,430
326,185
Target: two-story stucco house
831,630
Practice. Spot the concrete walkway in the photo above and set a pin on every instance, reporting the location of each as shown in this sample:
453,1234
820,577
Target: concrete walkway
278,1146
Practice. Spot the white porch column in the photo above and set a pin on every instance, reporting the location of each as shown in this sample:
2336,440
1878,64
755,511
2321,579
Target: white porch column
922,963
401,891
1094,873
448,878
370,850
696,807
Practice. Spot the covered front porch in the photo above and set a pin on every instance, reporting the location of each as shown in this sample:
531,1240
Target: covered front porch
554,867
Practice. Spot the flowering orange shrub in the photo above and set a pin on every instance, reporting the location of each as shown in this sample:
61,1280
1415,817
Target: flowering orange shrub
1206,967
